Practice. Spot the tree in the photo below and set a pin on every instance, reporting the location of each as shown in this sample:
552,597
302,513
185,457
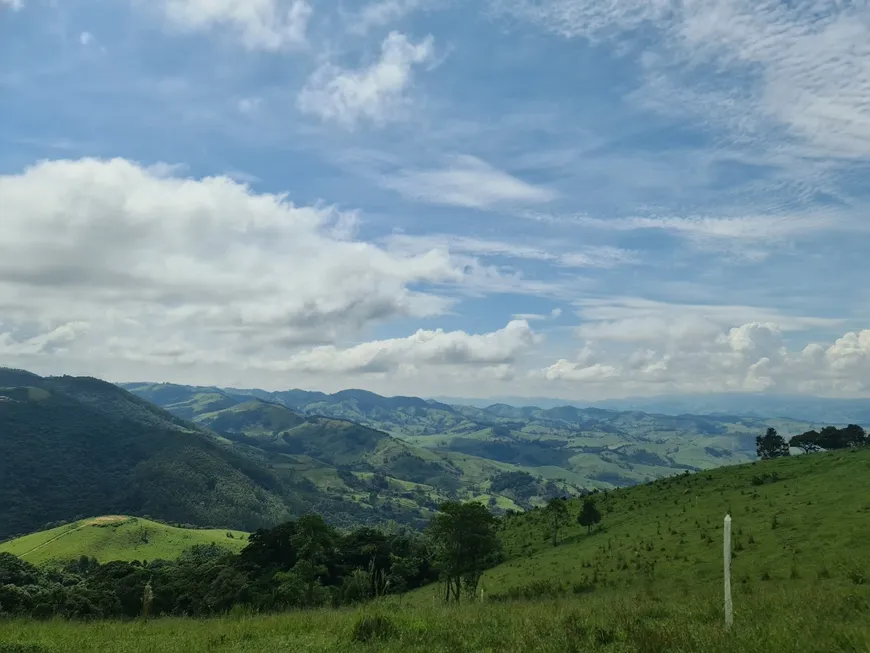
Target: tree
314,542
464,538
831,437
808,441
589,514
557,510
771,445
853,436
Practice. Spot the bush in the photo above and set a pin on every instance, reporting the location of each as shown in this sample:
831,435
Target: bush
369,628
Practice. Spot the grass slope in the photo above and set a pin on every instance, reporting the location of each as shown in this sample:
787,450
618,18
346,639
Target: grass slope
803,519
812,620
648,581
117,537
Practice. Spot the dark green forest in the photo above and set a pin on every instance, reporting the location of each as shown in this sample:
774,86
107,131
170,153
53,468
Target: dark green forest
303,563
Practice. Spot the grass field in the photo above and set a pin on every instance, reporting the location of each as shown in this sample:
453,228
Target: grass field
649,580
116,537
800,517
779,618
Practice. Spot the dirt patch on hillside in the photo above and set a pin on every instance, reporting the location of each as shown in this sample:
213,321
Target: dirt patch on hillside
107,519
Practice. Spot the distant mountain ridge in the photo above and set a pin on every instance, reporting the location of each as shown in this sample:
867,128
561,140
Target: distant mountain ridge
76,446
590,447
816,410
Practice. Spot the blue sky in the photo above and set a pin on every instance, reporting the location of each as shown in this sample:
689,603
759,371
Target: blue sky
567,198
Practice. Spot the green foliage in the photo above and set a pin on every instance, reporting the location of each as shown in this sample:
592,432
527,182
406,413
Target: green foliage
557,510
301,564
466,544
771,445
831,437
370,628
90,448
589,514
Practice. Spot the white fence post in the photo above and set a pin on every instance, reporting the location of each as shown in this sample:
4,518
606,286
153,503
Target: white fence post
729,607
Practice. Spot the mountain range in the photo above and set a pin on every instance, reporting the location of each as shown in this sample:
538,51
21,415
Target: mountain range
816,410
576,448
71,447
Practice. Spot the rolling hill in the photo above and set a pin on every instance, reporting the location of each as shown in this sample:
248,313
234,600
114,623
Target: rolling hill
344,459
575,447
799,520
117,537
72,446
647,580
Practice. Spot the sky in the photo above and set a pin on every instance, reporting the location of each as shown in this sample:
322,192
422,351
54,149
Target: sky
578,199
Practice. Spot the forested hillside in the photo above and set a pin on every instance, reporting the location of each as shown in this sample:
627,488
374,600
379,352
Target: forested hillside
583,448
72,447
76,447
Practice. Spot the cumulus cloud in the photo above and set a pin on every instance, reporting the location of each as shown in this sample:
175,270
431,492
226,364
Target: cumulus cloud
424,348
270,25
172,269
469,182
376,93
751,357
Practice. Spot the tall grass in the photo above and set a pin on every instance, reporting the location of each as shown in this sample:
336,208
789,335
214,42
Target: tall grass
786,616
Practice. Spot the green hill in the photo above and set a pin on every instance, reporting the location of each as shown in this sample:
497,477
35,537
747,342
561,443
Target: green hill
116,537
575,447
73,446
647,580
384,472
797,520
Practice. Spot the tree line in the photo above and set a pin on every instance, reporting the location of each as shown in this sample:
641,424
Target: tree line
773,445
302,563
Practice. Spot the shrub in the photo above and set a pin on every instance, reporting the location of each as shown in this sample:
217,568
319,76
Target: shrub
369,628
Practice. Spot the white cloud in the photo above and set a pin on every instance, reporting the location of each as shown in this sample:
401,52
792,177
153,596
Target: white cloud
804,67
249,105
763,228
539,317
424,348
14,5
750,358
585,257
377,92
270,25
467,182
672,326
156,263
383,12
50,342
86,38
